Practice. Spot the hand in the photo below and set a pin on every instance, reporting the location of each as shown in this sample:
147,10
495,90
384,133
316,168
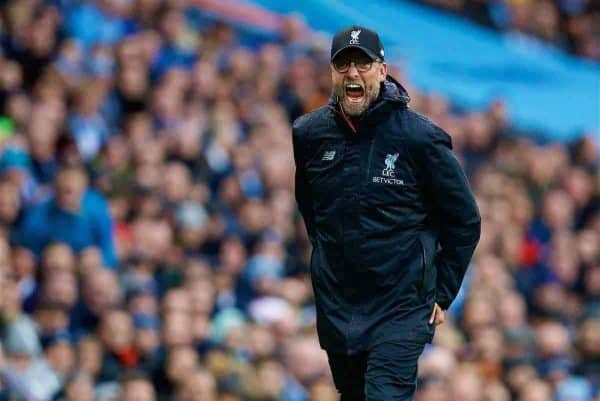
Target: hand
437,315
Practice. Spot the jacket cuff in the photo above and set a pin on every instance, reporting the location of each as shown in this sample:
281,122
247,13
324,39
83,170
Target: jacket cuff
444,303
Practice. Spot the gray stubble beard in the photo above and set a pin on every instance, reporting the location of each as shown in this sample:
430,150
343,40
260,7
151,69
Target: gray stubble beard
355,110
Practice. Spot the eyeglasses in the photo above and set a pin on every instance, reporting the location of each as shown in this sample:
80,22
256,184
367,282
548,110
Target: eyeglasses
362,65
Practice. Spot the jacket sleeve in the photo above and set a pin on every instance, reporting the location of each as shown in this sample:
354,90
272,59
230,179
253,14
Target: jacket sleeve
102,225
455,212
31,230
302,189
105,238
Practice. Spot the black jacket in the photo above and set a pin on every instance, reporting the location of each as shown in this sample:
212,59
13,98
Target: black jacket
391,218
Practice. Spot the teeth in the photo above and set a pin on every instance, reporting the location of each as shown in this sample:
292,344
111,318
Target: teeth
353,86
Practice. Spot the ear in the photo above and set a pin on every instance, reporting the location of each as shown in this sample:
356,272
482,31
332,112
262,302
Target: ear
382,72
334,73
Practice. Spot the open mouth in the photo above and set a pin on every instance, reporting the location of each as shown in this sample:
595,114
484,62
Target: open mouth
354,92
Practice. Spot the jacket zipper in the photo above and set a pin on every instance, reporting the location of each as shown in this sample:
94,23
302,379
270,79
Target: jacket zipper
354,130
369,159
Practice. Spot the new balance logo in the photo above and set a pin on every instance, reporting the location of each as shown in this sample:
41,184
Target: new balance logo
328,155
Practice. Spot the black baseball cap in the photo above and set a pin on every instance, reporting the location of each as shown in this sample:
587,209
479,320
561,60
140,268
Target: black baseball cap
357,37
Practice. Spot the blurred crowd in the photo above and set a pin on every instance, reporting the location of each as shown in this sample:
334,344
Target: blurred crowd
572,25
150,248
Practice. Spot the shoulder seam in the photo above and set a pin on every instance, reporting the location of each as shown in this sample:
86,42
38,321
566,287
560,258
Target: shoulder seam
306,121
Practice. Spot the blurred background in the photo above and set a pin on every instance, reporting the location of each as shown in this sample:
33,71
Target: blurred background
150,247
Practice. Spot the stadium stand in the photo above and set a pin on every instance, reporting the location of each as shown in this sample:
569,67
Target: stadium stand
571,25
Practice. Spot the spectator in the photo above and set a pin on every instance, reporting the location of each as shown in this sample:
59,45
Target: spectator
116,336
100,294
28,373
75,215
86,124
136,387
79,387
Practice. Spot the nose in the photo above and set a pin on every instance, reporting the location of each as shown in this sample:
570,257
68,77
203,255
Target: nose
352,71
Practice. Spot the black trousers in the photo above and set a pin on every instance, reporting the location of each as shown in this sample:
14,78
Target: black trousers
388,372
